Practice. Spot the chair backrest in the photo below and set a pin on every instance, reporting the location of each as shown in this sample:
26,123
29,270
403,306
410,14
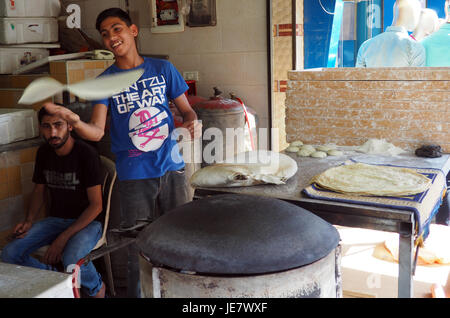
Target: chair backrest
109,178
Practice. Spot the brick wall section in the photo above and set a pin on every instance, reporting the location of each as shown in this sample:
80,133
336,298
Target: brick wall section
406,106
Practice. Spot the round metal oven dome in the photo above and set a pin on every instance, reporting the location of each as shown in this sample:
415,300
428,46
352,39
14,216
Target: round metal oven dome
239,246
237,234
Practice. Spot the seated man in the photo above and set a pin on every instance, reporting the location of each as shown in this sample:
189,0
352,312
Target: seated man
70,170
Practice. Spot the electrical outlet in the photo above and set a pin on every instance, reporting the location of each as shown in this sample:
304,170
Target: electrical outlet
192,75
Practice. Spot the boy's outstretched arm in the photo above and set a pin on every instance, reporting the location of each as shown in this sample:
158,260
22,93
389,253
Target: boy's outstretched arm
190,121
94,130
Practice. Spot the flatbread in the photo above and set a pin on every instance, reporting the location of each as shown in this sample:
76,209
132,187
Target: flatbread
98,88
247,169
364,179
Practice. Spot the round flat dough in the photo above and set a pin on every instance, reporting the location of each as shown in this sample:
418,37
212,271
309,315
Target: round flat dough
296,143
364,179
308,147
334,152
91,89
319,154
292,149
305,152
325,148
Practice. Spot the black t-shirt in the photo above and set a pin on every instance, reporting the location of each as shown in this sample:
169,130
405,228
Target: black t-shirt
68,177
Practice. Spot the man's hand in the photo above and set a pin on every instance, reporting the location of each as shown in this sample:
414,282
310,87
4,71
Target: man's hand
21,229
63,112
194,127
54,252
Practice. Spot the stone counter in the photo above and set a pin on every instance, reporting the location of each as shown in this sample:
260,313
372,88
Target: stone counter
27,282
406,106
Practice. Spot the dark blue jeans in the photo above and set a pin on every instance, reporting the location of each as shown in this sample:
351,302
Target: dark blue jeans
148,199
78,246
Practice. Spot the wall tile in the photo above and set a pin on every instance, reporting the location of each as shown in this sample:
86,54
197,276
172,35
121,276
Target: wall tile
255,68
140,12
26,171
3,160
28,155
3,175
250,40
223,69
12,158
4,191
11,212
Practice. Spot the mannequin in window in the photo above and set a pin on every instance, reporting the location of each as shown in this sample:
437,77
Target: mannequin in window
428,24
394,47
437,45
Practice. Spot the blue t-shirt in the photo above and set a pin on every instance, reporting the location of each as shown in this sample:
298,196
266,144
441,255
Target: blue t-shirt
142,124
437,46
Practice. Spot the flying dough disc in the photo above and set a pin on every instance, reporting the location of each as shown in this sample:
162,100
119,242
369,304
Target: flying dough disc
98,88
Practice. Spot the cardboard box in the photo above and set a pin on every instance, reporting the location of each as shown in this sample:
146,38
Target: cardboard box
73,71
18,81
9,98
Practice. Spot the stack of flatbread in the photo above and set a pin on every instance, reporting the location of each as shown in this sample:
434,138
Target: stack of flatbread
365,179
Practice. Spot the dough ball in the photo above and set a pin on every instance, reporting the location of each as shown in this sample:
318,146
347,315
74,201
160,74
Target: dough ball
325,148
305,152
296,143
292,149
308,147
334,152
319,154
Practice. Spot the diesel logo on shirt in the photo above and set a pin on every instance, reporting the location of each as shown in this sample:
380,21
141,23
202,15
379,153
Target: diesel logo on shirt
60,180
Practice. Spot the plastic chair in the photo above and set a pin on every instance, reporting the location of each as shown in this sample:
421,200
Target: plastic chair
109,177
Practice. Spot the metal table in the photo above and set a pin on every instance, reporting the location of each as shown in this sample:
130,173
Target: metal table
345,214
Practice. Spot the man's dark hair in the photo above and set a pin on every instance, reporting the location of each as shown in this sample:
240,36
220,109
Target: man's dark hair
113,12
43,112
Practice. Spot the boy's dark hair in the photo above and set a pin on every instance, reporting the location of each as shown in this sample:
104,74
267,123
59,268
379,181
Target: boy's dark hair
112,12
43,112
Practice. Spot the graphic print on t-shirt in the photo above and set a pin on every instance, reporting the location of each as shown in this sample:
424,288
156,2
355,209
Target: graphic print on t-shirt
148,129
61,180
143,103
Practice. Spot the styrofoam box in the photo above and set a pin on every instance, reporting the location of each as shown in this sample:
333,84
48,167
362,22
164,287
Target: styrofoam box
28,30
17,124
13,58
29,8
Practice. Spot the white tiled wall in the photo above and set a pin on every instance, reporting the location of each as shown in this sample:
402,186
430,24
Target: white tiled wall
231,55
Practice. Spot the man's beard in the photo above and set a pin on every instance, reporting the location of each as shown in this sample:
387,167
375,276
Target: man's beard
60,144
